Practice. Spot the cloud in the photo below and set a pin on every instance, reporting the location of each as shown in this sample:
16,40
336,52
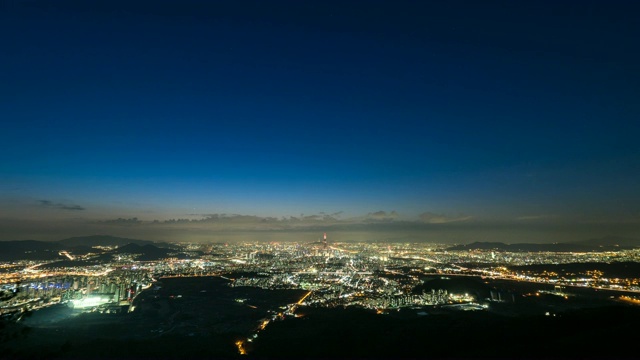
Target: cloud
532,217
221,222
225,218
52,205
240,222
432,218
251,219
122,221
381,216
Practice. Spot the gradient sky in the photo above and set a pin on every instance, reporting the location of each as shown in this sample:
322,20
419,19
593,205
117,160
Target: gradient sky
472,120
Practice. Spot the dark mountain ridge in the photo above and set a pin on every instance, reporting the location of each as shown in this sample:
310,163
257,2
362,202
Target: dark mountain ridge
611,240
50,250
101,240
29,250
604,244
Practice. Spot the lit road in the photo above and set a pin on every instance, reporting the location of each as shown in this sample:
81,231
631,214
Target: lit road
241,349
65,253
304,297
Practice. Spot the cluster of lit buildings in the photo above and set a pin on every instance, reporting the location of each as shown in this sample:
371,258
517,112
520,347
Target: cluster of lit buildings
373,275
81,291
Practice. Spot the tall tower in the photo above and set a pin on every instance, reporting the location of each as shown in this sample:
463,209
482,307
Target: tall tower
324,241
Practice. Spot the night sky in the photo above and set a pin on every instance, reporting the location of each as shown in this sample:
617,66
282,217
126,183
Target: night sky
451,121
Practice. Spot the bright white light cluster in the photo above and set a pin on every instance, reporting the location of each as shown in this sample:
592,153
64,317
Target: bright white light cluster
90,301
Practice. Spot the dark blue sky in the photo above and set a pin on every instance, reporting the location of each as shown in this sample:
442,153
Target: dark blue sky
493,112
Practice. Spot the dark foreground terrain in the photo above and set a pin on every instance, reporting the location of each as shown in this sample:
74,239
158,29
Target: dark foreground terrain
177,318
605,333
204,318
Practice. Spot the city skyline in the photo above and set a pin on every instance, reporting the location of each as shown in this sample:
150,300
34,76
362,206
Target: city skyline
430,121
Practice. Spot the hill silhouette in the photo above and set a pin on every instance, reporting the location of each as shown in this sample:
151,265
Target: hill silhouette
50,250
101,240
530,247
29,250
617,241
